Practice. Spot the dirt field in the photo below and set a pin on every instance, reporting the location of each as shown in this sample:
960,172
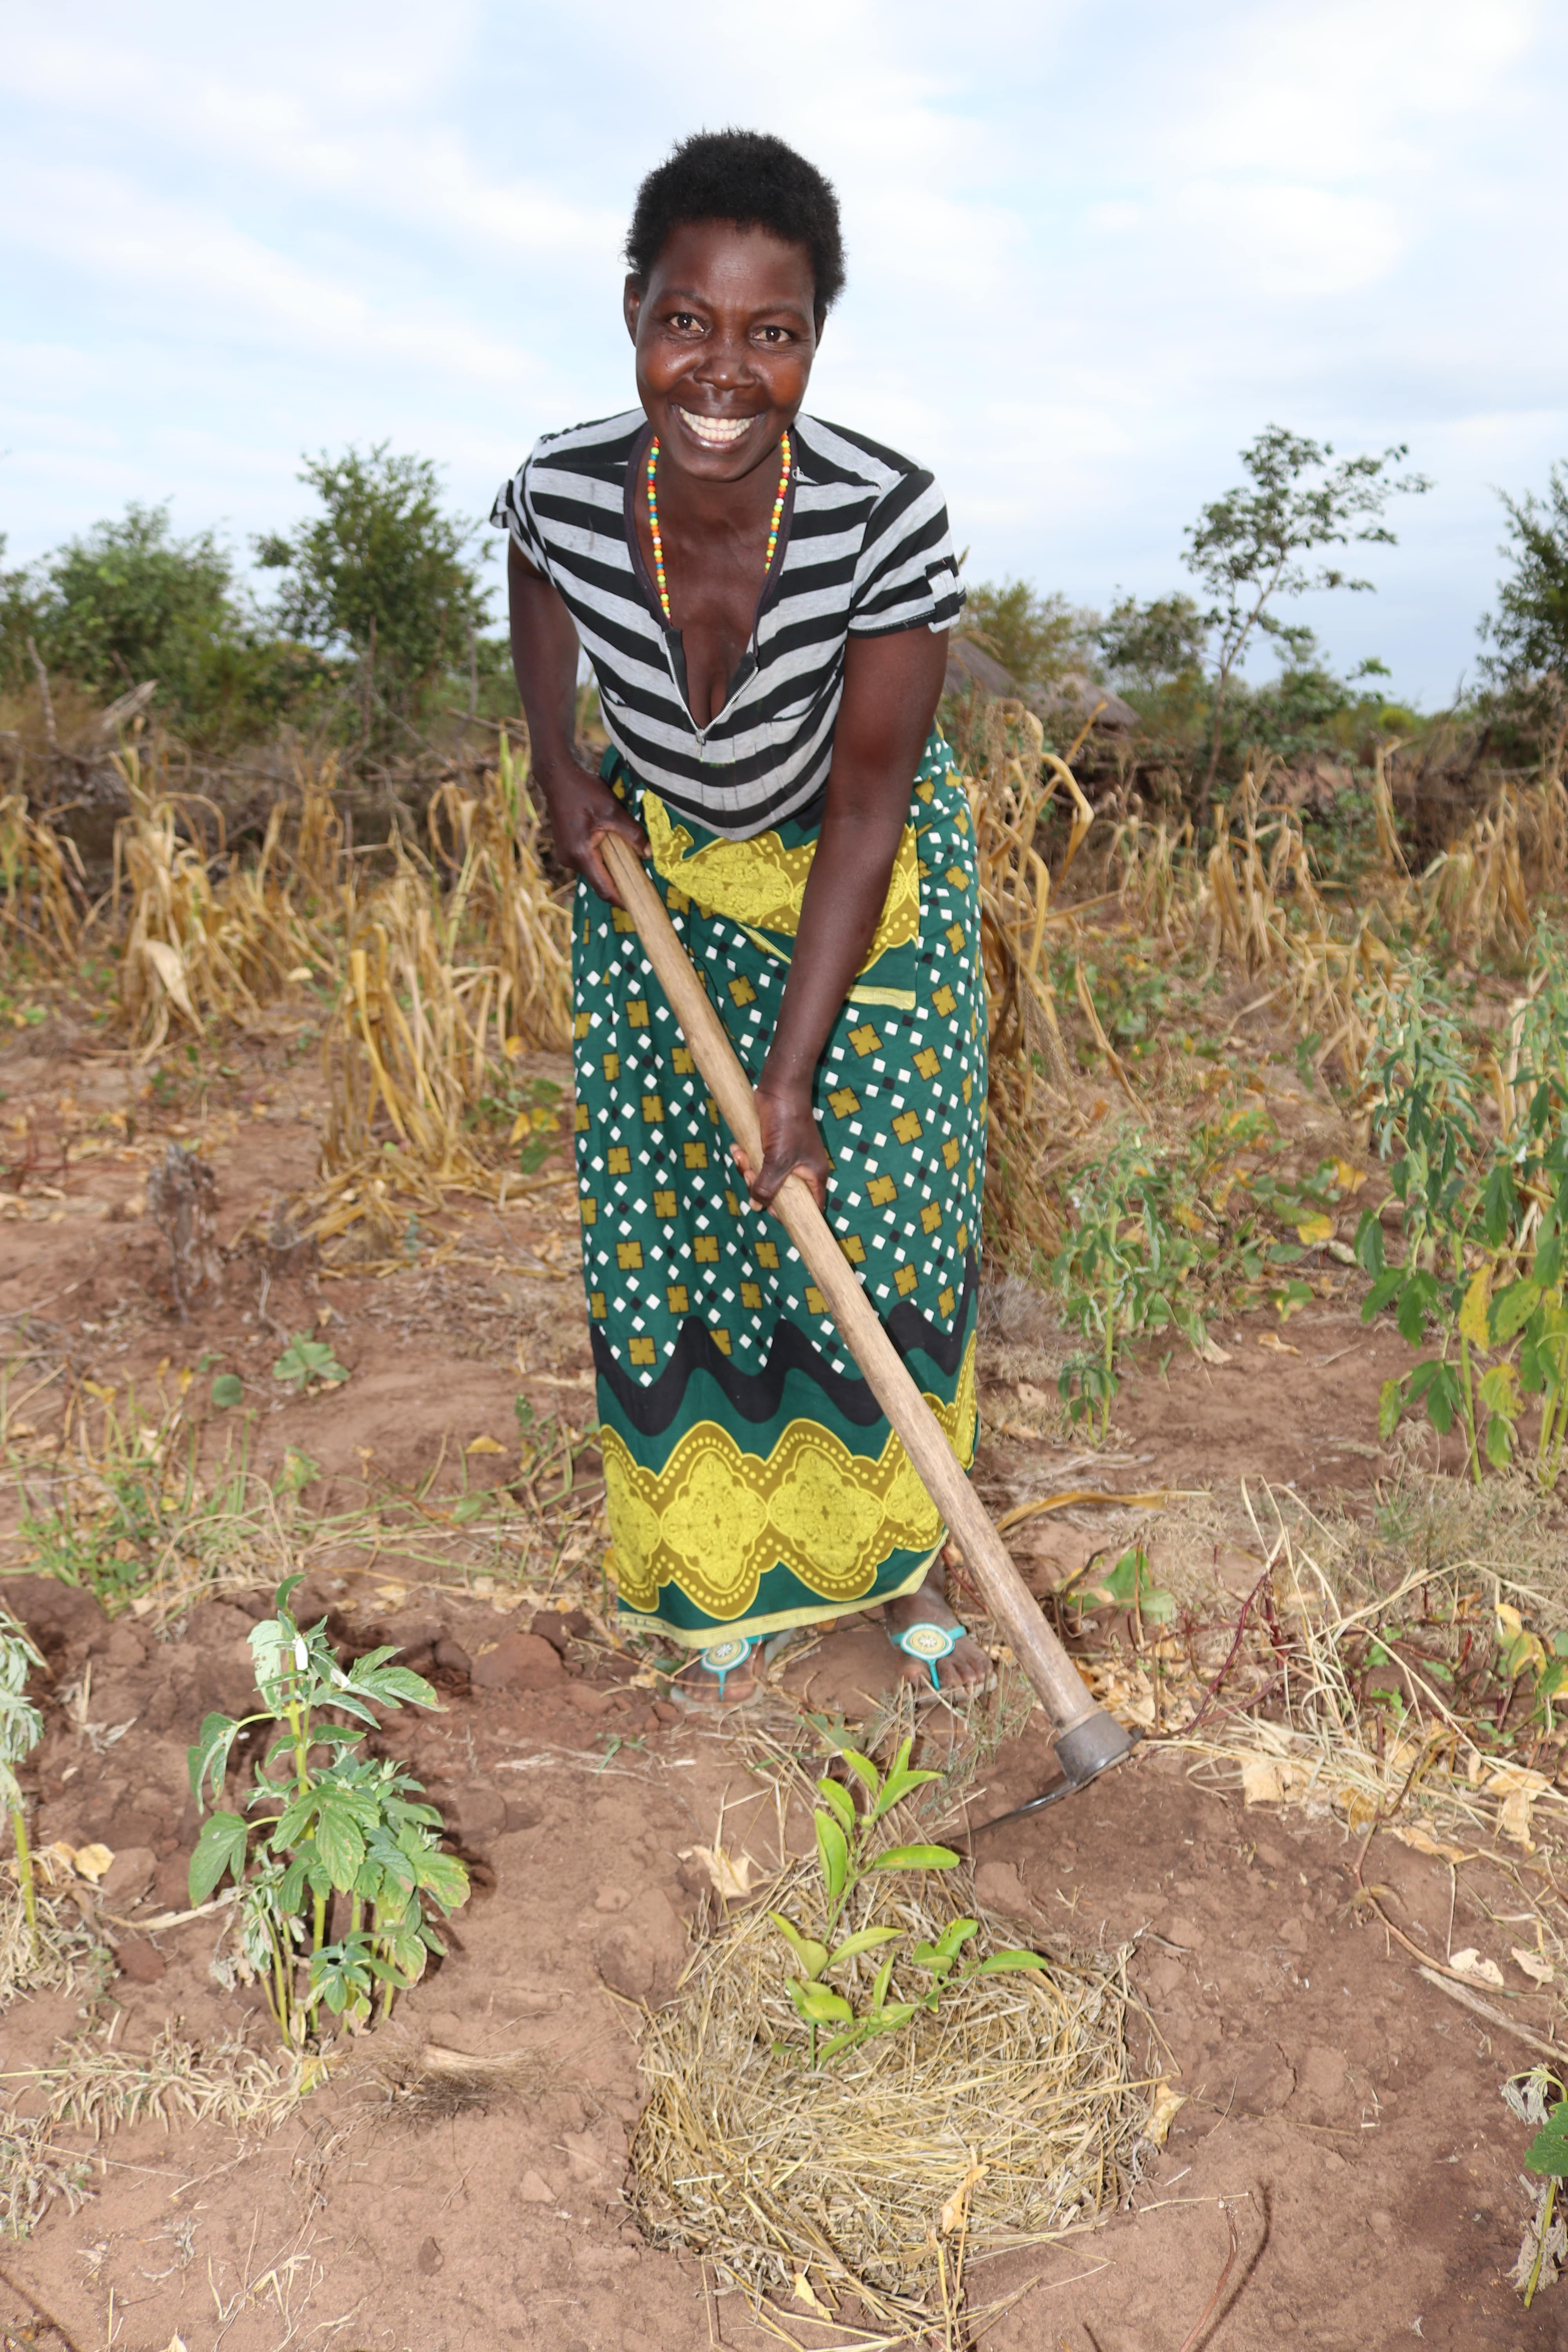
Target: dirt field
1342,2113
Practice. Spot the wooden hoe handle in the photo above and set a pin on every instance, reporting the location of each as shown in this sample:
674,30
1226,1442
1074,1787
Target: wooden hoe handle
1049,1669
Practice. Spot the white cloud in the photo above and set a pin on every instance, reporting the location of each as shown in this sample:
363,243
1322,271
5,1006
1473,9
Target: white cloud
1092,250
1294,240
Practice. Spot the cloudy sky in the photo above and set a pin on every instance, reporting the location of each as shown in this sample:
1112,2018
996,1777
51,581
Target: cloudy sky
1093,249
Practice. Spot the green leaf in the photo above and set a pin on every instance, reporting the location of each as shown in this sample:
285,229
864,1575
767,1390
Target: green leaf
392,1685
305,1360
999,1962
864,1940
340,1843
954,1936
1513,1307
1369,1253
884,1978
1498,1443
819,2004
272,1647
863,1768
834,1855
221,1847
208,1759
228,1389
1390,1408
1445,1399
1548,2151
837,1797
811,1955
917,1857
445,1879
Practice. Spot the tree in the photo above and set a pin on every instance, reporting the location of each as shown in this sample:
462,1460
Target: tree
128,602
1256,544
1530,627
1148,646
1034,637
382,572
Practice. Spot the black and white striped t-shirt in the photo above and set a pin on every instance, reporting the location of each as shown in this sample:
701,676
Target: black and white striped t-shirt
863,546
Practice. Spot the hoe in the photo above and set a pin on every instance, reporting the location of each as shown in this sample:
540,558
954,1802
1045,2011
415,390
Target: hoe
1088,1740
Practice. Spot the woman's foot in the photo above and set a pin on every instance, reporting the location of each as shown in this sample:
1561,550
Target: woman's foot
720,1676
964,1667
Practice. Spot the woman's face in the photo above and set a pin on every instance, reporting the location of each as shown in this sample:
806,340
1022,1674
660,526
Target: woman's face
725,337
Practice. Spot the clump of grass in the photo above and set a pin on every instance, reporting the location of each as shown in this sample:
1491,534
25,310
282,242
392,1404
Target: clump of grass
1001,2119
33,2173
98,2088
46,1951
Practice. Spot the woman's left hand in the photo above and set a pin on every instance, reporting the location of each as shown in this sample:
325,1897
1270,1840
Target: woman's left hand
792,1146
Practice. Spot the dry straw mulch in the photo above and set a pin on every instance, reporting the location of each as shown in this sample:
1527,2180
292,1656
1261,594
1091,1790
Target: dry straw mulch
1008,2117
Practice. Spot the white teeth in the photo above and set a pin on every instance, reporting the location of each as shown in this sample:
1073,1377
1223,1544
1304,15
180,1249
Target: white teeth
717,431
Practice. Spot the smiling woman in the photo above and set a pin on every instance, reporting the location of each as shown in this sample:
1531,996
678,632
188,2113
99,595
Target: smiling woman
764,599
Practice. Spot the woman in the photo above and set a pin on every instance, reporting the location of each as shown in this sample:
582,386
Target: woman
765,600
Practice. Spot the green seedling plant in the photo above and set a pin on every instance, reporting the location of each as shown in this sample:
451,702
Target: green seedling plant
307,1366
1457,1211
1129,1585
1120,1273
1538,2098
1485,1222
847,1854
339,1859
21,1729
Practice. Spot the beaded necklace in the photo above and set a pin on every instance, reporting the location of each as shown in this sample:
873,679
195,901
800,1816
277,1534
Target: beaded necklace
653,516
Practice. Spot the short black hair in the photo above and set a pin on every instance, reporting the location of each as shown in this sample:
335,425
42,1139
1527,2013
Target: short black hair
752,179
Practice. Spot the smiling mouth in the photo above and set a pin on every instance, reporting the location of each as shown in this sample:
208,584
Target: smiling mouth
714,432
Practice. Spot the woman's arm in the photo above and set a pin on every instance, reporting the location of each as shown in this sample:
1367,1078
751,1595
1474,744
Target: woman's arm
580,808
891,687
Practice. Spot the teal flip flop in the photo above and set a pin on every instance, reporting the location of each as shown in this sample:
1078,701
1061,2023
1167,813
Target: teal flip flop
720,1658
929,1644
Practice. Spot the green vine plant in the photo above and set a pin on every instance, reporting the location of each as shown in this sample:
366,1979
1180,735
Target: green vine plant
336,1870
21,1729
1120,1273
1537,2097
1485,1222
848,1852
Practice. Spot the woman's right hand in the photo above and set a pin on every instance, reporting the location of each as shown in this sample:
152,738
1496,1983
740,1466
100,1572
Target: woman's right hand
582,810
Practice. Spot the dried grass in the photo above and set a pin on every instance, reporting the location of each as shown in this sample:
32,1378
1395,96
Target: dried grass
41,890
452,967
207,939
1006,2119
33,2173
1012,784
1326,1590
64,1956
98,2088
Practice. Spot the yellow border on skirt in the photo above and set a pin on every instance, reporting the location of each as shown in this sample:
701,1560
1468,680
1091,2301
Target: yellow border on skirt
686,1637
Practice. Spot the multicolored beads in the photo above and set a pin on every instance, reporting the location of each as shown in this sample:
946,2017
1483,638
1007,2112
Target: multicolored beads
652,471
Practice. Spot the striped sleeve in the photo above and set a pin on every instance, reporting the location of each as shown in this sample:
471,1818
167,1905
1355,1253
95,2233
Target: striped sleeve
514,513
906,576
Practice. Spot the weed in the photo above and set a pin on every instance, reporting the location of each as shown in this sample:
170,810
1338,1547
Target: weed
21,1729
1121,1272
1486,1219
1537,2098
349,1834
308,1366
846,1851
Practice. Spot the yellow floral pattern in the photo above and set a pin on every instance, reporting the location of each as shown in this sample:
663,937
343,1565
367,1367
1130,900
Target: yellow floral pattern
715,1519
760,882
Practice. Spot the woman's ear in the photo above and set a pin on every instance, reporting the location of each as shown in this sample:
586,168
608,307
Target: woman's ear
631,304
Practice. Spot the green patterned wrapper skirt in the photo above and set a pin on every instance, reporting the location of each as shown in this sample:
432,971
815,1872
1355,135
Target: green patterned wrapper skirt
752,1480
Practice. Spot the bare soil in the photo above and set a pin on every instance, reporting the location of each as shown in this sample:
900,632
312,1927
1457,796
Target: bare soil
1340,2111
